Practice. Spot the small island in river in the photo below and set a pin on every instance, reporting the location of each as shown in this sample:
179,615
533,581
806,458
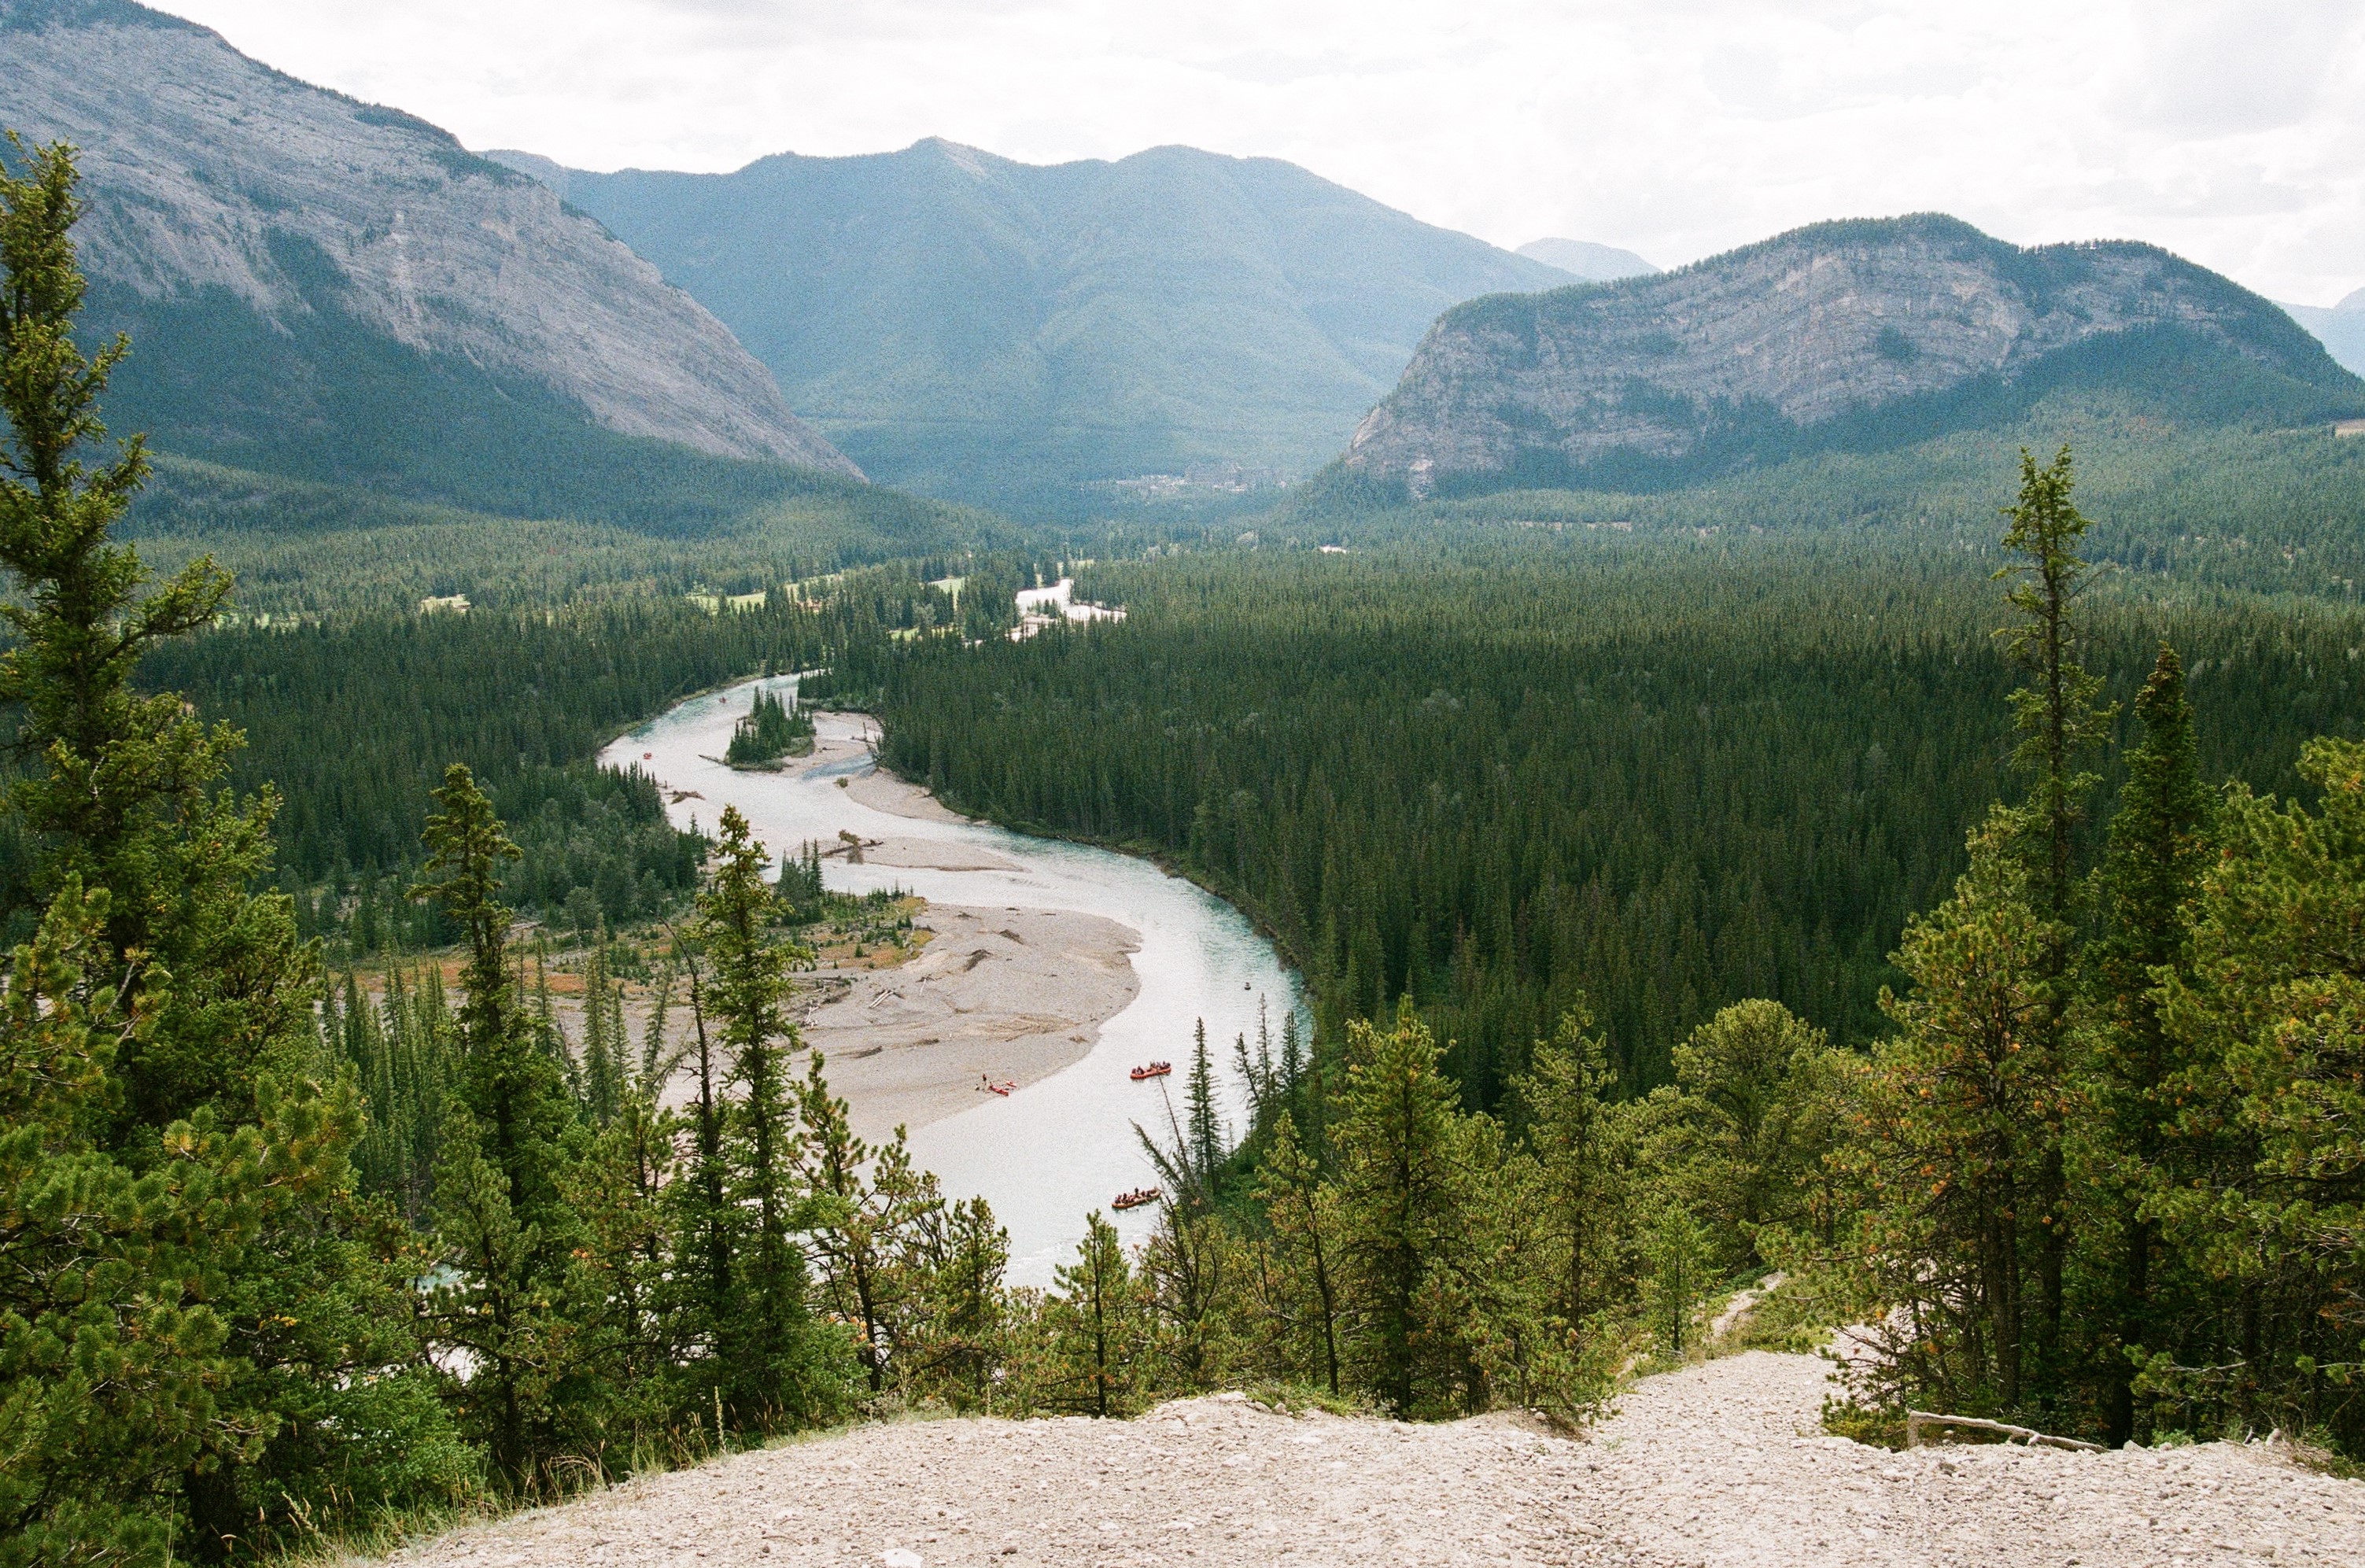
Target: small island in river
772,731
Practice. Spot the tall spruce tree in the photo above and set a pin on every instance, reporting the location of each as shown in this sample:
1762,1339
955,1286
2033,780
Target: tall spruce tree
503,1221
772,1356
2162,840
1582,1148
1401,1190
705,1279
123,793
1206,1127
2061,719
603,1036
225,1062
1307,1241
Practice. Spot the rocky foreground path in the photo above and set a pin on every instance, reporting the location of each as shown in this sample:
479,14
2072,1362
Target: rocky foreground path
1722,1464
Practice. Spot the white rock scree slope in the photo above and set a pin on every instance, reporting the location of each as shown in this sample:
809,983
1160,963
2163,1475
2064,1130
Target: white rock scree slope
1722,1465
1057,1150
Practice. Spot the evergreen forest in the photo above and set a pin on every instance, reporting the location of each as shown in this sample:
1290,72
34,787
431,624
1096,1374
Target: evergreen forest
1962,923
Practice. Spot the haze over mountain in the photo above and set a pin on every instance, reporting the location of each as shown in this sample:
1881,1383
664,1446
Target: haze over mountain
1847,333
328,288
1583,258
969,325
2340,329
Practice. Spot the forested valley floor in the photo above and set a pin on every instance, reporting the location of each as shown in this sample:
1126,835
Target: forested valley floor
1928,929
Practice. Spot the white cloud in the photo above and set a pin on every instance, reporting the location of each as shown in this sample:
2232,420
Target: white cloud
2225,132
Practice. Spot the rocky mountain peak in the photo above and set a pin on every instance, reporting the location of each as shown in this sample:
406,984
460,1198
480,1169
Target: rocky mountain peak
215,185
1768,344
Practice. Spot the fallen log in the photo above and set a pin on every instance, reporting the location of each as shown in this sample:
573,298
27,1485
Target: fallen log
2027,1436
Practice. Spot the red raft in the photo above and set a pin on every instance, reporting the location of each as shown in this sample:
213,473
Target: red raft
1155,1069
1135,1198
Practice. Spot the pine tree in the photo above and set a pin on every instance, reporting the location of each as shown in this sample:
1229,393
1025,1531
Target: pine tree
1402,1185
226,1061
1681,1255
957,1344
1960,1123
619,1188
869,1204
770,1351
1205,1129
2260,1194
2060,719
1729,1138
110,1353
502,1218
2160,842
1190,1270
1097,1325
1306,1237
1581,1146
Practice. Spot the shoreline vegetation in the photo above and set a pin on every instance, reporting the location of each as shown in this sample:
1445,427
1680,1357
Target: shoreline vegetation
290,1266
771,732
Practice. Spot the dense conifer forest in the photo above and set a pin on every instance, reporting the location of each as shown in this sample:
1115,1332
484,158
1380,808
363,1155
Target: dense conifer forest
350,720
1968,932
303,549
1665,776
2244,505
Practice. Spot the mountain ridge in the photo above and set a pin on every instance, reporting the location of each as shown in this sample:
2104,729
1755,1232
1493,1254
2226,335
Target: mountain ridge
1841,332
971,324
1587,259
2340,328
297,269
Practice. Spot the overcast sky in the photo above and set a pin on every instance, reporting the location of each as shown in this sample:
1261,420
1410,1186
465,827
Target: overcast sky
2233,133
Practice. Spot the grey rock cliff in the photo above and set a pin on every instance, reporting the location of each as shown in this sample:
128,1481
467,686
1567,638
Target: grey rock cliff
209,177
1791,334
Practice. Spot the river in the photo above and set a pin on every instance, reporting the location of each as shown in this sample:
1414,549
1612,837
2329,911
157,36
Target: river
1059,1148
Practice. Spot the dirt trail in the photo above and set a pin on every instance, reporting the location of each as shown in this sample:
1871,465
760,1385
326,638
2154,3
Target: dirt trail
1722,1465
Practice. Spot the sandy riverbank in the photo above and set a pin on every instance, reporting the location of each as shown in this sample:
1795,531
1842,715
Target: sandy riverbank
1008,996
877,788
1005,995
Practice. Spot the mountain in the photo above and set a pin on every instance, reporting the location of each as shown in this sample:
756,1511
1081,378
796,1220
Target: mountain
1840,334
2341,328
973,326
1583,258
327,288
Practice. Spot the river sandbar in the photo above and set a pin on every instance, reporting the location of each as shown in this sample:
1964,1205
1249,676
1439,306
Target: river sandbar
1006,996
934,855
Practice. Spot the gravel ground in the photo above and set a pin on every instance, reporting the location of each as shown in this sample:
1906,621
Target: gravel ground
1721,1464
